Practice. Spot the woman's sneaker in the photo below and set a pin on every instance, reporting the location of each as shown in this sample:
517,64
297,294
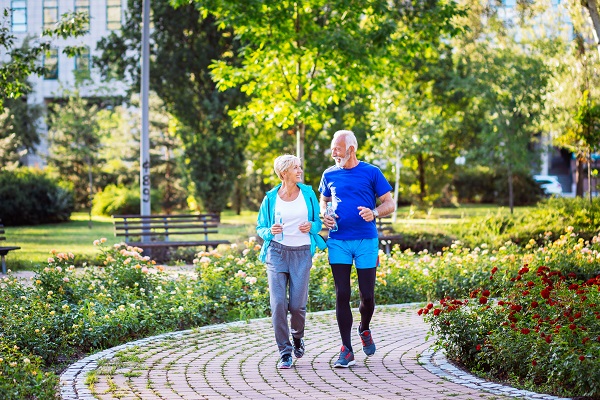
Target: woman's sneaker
367,341
298,347
346,358
285,362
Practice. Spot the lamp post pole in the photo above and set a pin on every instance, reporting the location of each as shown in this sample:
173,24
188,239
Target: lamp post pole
144,137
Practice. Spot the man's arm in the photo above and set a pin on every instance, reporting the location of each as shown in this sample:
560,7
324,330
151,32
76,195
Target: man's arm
387,206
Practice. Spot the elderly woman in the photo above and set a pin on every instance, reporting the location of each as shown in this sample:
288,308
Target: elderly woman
289,224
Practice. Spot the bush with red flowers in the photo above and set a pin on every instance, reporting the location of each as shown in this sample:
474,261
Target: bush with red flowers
541,328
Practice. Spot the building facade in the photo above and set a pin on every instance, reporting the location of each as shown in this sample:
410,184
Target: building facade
28,19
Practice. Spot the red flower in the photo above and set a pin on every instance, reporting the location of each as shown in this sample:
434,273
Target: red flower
572,327
516,307
530,284
486,293
478,347
525,331
581,358
437,312
548,338
572,275
429,306
525,292
535,316
578,315
523,270
534,363
534,304
420,311
426,311
545,293
494,270
483,300
584,340
573,286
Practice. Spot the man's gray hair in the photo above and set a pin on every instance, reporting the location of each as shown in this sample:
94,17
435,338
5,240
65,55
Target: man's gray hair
284,162
349,138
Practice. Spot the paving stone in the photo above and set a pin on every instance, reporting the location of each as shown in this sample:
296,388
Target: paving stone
239,361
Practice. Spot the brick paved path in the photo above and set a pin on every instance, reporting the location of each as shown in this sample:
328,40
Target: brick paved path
238,361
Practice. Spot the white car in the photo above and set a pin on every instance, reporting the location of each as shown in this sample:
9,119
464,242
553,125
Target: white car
550,184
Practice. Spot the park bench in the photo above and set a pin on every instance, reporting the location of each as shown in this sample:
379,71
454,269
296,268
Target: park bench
5,249
159,230
387,234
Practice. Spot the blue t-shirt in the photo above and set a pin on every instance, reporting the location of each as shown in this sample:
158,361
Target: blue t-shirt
348,189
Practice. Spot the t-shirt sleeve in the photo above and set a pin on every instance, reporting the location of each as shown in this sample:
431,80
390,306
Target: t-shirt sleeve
324,188
382,186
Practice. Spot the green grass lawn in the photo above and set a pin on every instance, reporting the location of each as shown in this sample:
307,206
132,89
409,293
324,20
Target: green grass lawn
78,235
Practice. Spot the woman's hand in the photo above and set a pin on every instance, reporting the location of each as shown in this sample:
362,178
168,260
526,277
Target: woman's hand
276,229
305,227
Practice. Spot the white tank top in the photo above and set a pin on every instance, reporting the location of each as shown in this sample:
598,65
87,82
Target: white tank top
293,213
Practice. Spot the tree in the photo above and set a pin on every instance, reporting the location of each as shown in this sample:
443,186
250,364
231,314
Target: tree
184,44
18,131
300,58
75,142
24,61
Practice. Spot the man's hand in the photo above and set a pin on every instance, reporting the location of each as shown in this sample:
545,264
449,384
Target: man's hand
366,213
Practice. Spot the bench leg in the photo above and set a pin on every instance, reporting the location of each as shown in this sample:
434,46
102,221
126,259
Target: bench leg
3,265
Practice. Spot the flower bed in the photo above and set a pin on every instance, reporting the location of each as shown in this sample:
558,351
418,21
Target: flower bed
538,327
68,312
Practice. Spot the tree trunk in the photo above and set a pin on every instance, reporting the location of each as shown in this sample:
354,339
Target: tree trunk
511,194
592,6
300,132
421,169
91,191
578,177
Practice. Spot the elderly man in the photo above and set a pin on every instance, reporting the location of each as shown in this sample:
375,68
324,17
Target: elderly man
354,188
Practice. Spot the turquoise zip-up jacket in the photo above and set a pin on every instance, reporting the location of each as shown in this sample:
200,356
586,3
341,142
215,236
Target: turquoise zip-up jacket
266,219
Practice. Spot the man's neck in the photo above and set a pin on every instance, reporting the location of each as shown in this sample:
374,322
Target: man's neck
351,163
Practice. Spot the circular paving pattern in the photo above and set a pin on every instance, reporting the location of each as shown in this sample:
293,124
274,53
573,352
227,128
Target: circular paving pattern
238,360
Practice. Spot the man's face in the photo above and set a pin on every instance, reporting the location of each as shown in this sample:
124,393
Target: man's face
339,152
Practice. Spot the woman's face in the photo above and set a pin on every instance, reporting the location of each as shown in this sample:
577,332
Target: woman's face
293,174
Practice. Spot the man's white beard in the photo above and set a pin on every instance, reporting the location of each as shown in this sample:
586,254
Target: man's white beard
341,162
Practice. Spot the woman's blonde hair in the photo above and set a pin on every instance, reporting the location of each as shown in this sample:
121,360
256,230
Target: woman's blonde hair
282,163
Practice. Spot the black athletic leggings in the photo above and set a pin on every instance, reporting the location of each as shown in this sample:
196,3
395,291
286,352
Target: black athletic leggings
343,311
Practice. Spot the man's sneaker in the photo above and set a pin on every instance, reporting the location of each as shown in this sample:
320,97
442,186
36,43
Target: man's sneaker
285,362
298,347
346,358
367,341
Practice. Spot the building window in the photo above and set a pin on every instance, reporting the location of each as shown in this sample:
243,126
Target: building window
18,15
51,64
82,62
50,13
83,6
113,14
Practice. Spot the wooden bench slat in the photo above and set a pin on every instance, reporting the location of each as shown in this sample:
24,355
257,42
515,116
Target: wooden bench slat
142,233
122,226
5,249
160,227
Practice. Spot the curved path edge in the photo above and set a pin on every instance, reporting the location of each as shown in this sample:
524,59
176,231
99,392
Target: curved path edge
73,385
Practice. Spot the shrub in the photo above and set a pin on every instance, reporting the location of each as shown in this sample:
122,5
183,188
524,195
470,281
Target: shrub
483,185
546,221
121,200
29,197
538,325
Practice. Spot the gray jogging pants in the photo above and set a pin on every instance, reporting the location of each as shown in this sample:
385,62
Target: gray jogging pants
288,273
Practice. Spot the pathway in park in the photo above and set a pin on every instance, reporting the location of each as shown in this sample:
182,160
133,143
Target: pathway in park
238,361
